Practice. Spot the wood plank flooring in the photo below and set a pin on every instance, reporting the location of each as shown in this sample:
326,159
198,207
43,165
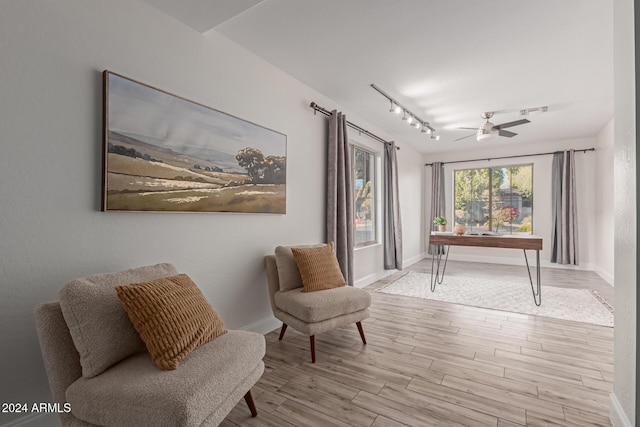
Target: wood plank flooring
429,363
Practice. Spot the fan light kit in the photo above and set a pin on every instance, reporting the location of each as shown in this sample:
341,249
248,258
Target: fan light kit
488,129
407,116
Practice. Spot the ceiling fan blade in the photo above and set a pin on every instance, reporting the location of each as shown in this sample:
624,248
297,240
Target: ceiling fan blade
473,134
510,124
506,133
468,128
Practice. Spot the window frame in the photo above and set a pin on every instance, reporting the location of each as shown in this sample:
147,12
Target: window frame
490,200
374,195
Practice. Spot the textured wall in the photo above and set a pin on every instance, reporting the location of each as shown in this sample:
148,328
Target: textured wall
51,229
624,166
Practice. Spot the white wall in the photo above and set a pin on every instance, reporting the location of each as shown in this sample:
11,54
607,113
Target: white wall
51,229
624,408
585,165
604,205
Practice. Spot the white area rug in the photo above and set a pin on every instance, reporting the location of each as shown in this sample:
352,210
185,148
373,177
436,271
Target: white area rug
579,305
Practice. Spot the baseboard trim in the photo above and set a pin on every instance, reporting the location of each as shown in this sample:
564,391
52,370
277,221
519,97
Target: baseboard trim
410,261
263,326
608,277
372,278
616,414
518,261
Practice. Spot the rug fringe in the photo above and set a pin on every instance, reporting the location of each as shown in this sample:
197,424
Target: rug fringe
601,300
392,282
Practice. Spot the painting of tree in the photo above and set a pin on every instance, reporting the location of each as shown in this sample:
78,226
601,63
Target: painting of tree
165,153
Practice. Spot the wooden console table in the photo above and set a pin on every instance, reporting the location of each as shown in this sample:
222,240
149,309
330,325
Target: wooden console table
498,241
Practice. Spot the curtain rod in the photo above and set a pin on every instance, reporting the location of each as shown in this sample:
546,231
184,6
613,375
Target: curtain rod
584,150
326,112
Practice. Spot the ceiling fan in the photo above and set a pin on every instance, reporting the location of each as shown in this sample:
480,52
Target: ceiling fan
488,129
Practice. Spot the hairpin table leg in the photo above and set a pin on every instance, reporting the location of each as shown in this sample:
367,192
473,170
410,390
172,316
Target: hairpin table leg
537,292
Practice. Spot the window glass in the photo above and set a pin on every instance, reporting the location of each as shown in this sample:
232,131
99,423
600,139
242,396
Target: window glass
496,199
364,168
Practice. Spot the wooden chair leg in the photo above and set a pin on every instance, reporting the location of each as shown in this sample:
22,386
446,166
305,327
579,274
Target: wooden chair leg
312,339
252,406
359,325
282,331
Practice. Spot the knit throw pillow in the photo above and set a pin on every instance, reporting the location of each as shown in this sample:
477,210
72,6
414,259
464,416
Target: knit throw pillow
319,268
172,316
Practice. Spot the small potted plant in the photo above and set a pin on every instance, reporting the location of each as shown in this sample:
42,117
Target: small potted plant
441,222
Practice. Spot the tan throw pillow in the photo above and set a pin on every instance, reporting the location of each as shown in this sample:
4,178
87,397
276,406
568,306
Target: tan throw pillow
319,268
288,272
172,316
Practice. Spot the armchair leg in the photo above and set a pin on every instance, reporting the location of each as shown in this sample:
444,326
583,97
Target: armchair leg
252,406
359,325
312,339
282,331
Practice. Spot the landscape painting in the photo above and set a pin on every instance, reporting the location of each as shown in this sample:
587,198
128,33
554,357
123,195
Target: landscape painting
165,153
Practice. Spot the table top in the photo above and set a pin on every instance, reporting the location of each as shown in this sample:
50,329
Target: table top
508,241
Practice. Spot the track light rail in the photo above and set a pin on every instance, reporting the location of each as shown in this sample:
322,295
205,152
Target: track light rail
425,125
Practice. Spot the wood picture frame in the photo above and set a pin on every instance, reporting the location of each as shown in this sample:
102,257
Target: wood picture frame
165,153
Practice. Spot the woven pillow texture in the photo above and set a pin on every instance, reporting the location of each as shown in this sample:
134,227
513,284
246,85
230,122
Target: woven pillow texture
288,272
319,268
172,316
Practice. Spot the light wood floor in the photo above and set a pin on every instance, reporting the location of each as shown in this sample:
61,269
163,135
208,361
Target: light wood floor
433,363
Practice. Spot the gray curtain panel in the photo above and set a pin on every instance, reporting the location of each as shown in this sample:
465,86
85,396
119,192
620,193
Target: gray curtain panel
564,232
340,194
392,222
438,206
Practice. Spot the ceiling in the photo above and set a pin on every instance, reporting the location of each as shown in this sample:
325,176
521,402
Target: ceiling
447,61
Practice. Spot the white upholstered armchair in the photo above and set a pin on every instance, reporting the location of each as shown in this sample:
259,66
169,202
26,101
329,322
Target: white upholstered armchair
98,365
311,312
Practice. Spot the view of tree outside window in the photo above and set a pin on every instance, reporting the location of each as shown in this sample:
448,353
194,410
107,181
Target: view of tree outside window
364,164
496,199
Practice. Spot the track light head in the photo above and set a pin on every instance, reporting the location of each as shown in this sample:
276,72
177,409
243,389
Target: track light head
407,116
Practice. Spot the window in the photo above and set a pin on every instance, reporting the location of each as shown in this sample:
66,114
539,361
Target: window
364,196
495,199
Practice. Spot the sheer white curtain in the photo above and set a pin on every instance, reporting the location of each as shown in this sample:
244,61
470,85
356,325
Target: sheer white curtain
392,223
340,194
564,232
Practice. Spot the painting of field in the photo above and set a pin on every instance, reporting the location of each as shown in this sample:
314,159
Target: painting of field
165,153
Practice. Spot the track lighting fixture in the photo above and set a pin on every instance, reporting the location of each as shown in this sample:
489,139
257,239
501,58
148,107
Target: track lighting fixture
527,111
395,109
408,116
